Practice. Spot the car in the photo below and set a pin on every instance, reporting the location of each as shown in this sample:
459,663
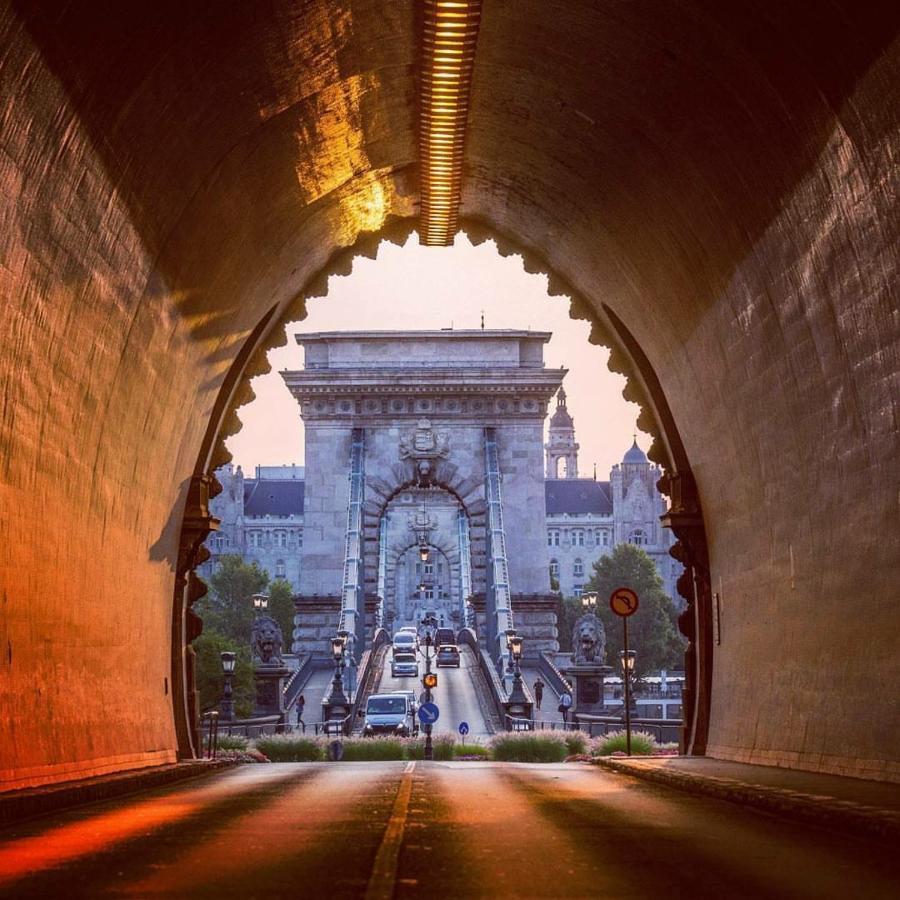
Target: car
413,702
444,636
405,640
404,663
388,714
447,655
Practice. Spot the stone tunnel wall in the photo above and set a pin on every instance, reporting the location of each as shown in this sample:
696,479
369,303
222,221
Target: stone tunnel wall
722,176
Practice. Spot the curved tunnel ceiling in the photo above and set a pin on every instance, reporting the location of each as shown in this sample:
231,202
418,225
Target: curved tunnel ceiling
719,176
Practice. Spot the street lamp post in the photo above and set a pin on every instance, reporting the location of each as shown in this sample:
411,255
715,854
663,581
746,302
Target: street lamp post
260,602
337,701
428,680
518,705
627,657
229,658
589,601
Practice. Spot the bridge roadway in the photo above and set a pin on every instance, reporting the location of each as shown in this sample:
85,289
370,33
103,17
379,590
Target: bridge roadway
404,830
456,694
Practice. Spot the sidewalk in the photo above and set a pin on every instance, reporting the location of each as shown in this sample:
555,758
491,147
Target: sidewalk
870,808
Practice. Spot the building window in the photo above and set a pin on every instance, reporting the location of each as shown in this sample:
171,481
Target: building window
300,538
553,538
554,568
578,568
279,569
578,537
282,539
577,590
638,538
429,568
605,538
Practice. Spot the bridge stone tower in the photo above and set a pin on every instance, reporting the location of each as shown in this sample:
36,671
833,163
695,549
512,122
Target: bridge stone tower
412,412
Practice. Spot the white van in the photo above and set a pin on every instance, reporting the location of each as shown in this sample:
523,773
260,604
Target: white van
406,640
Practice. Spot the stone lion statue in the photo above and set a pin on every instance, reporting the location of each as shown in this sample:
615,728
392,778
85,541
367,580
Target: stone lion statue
588,641
267,640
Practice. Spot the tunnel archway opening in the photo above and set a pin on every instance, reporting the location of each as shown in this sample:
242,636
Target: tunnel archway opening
642,388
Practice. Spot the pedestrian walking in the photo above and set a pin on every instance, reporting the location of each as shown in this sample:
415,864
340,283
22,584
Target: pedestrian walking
301,703
538,691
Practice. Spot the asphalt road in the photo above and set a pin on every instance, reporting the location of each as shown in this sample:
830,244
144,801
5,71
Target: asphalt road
380,830
455,695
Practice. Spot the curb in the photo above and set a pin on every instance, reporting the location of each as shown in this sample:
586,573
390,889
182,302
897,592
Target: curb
818,809
18,806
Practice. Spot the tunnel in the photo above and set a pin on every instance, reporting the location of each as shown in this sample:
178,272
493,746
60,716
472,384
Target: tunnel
714,186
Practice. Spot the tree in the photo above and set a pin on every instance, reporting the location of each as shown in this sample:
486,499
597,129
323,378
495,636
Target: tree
228,607
281,608
652,630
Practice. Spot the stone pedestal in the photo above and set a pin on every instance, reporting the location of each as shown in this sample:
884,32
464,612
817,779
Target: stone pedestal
315,624
587,684
270,690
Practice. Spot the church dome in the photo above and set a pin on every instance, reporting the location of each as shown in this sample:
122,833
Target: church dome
635,455
561,418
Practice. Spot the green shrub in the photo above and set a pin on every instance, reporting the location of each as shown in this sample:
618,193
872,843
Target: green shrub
576,742
414,748
642,743
232,742
374,748
291,748
529,746
478,750
443,746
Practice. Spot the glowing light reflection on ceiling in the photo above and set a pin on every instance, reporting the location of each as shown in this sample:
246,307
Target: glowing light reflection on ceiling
450,37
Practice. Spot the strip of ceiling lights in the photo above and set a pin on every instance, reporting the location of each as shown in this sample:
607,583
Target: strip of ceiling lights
448,56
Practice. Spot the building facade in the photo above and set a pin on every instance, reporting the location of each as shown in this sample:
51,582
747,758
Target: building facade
261,520
587,518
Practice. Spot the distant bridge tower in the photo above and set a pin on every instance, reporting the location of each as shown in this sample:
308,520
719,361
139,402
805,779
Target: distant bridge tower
409,436
561,448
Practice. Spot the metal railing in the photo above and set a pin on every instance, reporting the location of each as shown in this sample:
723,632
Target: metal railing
518,723
663,730
352,614
465,567
499,589
382,570
212,733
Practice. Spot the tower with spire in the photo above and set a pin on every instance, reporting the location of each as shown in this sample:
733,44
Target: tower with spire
561,448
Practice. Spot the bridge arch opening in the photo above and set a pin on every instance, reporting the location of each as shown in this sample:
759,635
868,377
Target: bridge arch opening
381,494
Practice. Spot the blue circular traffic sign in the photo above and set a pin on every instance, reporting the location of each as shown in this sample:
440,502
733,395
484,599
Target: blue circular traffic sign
429,713
463,728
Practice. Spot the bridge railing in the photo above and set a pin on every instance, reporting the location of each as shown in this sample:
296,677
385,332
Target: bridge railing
664,730
555,678
352,613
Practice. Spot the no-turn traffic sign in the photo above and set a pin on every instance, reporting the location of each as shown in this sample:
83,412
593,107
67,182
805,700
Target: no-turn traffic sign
623,602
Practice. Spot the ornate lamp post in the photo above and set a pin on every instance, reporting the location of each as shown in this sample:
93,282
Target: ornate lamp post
336,703
229,659
589,601
518,705
260,602
510,634
626,657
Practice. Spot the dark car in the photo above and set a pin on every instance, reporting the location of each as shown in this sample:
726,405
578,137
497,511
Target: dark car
444,636
448,655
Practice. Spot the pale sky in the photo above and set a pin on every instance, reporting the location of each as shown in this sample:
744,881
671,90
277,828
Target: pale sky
414,287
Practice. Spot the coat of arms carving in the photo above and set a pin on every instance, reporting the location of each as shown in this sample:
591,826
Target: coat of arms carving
424,447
